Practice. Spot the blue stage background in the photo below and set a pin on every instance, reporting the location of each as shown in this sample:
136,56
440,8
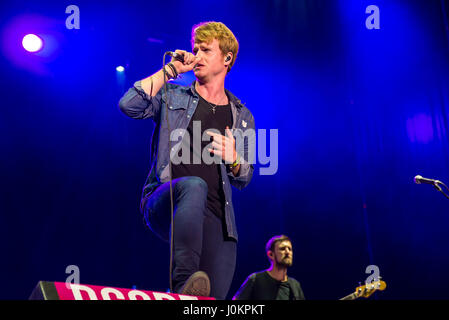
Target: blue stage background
359,113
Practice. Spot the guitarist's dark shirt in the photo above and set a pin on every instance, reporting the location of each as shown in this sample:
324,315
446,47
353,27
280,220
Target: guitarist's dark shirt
261,286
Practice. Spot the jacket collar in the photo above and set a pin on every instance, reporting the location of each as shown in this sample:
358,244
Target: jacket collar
231,97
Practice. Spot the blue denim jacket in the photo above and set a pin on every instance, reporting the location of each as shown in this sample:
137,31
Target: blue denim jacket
182,105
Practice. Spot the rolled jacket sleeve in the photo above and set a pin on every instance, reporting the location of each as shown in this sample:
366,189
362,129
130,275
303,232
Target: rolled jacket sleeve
139,105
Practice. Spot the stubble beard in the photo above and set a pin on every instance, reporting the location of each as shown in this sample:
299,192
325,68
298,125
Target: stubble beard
285,262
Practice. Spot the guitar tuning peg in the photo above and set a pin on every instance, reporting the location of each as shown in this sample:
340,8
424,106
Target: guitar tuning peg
359,288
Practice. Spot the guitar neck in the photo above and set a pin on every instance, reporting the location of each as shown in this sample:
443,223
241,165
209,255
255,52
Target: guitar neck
351,296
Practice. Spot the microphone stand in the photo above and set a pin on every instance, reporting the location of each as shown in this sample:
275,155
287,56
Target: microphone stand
436,185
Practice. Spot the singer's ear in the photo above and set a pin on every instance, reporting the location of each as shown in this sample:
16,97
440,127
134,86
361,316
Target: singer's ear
228,57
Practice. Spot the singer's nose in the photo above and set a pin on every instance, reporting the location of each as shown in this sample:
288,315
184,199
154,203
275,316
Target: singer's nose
199,54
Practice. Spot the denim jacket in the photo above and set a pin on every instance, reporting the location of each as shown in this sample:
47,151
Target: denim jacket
182,105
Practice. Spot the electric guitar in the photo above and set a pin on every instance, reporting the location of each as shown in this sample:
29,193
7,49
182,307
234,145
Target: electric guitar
366,290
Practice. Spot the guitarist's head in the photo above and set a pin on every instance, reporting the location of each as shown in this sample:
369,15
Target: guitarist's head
279,251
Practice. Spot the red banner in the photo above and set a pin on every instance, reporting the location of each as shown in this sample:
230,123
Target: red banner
71,291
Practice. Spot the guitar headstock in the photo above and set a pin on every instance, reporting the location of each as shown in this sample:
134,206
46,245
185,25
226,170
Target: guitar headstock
368,289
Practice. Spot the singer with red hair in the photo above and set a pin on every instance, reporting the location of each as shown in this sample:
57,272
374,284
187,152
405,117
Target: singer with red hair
204,229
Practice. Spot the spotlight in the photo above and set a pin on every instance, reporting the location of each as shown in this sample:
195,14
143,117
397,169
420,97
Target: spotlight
120,69
32,43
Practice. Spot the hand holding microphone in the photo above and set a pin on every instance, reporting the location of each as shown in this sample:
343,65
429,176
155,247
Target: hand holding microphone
183,61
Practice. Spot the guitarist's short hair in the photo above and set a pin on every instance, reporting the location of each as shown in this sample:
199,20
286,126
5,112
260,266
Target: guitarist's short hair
272,242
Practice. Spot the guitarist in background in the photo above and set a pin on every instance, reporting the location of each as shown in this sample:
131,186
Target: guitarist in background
273,283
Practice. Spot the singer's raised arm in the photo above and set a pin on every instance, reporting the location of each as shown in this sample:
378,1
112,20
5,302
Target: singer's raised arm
142,101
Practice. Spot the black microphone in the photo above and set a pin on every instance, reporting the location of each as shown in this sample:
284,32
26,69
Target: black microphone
176,56
419,180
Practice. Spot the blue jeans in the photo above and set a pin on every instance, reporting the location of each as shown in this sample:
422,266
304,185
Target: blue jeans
199,239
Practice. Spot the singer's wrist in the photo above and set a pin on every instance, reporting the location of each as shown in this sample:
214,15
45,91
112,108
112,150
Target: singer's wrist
170,71
167,73
174,63
173,68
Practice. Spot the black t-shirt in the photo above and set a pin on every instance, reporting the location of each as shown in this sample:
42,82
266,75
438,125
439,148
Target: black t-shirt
284,291
210,173
261,286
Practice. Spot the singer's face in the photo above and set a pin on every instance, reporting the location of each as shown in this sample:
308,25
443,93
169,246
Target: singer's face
211,61
283,253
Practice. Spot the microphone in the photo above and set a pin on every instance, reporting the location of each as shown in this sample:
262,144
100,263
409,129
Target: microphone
176,56
419,180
